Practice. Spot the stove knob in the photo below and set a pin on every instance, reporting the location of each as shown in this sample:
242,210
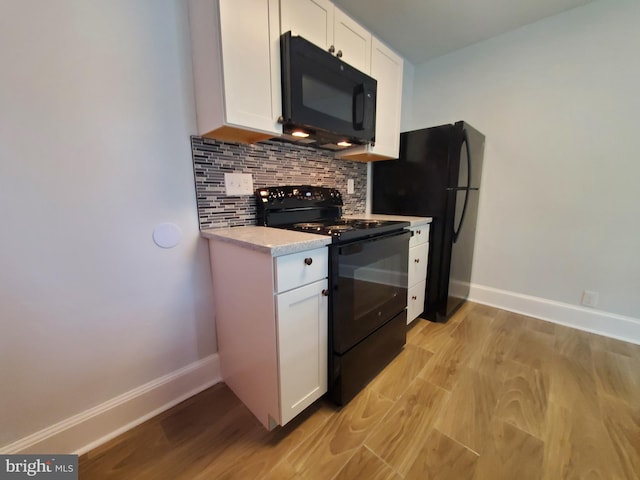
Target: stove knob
308,261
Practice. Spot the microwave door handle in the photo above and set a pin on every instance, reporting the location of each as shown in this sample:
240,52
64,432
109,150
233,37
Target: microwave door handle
358,113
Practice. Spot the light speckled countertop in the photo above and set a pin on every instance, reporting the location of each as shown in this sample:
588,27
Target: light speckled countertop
274,241
413,221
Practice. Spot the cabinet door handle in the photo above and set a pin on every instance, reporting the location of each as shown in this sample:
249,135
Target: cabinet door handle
332,49
325,292
417,260
413,297
339,54
419,232
308,261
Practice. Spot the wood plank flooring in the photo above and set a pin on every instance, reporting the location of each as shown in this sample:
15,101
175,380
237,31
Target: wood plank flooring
488,395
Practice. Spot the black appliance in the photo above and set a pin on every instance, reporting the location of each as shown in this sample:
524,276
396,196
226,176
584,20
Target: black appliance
368,267
437,175
324,97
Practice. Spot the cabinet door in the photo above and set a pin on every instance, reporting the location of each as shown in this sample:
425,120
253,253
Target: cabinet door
249,73
302,347
352,42
386,67
310,19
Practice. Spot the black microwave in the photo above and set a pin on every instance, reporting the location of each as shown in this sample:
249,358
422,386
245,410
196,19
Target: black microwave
324,99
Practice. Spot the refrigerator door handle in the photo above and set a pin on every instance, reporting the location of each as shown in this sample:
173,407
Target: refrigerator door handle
456,231
465,140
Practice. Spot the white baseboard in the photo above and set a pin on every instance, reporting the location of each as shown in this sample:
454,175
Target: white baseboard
82,432
582,318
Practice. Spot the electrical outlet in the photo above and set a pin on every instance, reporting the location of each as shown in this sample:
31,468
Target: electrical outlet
350,186
238,184
589,298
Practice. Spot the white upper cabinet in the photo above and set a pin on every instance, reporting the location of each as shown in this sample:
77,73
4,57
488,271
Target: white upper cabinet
235,47
387,69
352,42
326,26
236,66
311,19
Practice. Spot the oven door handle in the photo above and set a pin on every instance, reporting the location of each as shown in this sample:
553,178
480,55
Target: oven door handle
353,249
358,245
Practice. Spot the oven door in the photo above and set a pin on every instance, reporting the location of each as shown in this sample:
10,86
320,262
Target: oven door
368,286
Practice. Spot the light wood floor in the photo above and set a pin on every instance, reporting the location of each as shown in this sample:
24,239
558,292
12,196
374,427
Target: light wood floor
488,395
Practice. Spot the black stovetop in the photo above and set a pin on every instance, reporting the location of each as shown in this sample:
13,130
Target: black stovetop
345,229
316,210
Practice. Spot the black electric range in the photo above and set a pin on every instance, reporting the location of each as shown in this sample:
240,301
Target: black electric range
317,210
368,270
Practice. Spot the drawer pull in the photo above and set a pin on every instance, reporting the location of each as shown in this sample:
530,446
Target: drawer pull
413,297
308,261
419,232
417,260
325,292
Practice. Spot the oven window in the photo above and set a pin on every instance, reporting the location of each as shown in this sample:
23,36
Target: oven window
370,287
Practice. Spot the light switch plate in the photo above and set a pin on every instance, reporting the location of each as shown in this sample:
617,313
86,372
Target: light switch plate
350,186
238,184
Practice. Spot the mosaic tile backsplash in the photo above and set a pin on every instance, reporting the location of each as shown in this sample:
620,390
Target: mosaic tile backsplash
270,163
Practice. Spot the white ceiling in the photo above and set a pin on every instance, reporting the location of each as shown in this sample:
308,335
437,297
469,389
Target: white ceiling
424,29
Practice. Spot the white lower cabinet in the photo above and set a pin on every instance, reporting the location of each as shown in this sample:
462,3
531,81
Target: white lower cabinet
302,347
272,327
418,262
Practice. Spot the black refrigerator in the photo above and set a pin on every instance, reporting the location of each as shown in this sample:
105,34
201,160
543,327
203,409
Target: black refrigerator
437,175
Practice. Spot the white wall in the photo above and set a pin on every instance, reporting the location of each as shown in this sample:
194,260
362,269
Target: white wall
96,109
558,102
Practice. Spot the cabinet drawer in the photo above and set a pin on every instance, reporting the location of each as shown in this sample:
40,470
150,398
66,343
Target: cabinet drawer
415,301
418,257
301,268
420,234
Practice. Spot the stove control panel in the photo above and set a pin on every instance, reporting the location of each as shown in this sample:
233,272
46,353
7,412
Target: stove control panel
299,194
